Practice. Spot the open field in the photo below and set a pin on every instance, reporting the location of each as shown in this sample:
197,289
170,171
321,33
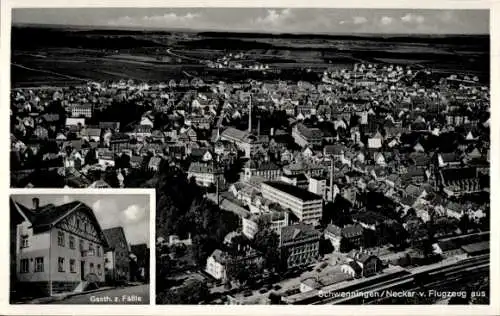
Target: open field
54,55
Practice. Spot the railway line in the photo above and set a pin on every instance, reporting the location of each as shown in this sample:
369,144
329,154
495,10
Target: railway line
416,284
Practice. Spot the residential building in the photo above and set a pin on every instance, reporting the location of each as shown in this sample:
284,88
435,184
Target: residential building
81,110
264,169
59,248
139,262
353,235
299,245
117,265
317,186
276,219
220,263
206,174
245,141
305,136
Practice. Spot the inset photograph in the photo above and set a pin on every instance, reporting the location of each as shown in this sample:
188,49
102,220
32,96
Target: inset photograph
79,248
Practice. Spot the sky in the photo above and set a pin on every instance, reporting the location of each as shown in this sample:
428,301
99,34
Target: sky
279,20
131,211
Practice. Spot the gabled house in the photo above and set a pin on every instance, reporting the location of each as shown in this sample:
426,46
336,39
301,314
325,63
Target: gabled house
117,265
58,248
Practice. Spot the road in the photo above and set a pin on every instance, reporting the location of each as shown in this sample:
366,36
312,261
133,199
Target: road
50,72
169,51
126,295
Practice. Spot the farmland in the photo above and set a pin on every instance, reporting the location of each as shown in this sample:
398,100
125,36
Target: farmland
57,55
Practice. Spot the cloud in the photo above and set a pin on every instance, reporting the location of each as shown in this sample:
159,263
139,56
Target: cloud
133,218
107,212
412,18
274,18
133,214
342,22
386,20
359,20
166,20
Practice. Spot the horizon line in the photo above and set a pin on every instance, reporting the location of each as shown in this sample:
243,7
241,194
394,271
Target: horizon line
193,30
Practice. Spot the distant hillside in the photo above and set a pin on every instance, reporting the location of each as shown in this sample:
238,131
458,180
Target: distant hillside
22,38
480,39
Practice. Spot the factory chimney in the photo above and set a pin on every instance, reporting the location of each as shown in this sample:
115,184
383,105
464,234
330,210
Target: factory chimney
250,114
331,179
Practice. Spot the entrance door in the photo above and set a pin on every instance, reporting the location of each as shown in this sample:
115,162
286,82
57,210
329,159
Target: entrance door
82,270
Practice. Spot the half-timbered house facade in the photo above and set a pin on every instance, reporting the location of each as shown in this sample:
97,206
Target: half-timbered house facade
59,248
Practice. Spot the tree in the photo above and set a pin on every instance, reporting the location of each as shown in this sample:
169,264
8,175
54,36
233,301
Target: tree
267,242
337,212
193,292
325,246
345,245
232,173
91,157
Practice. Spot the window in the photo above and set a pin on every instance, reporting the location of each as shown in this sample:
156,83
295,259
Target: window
78,223
98,251
72,266
81,245
25,243
25,266
60,239
60,264
39,264
71,242
85,227
92,270
91,249
106,260
99,269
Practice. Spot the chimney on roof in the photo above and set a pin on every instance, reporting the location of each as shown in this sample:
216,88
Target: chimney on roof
36,203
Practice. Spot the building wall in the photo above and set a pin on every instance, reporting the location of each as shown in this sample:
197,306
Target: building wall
317,187
122,264
301,252
109,269
67,253
45,245
250,228
204,179
38,247
215,269
307,211
335,240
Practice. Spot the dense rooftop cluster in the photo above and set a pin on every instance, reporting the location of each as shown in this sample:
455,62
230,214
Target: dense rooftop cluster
366,157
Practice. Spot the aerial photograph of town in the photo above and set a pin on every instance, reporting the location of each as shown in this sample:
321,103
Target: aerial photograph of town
300,156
